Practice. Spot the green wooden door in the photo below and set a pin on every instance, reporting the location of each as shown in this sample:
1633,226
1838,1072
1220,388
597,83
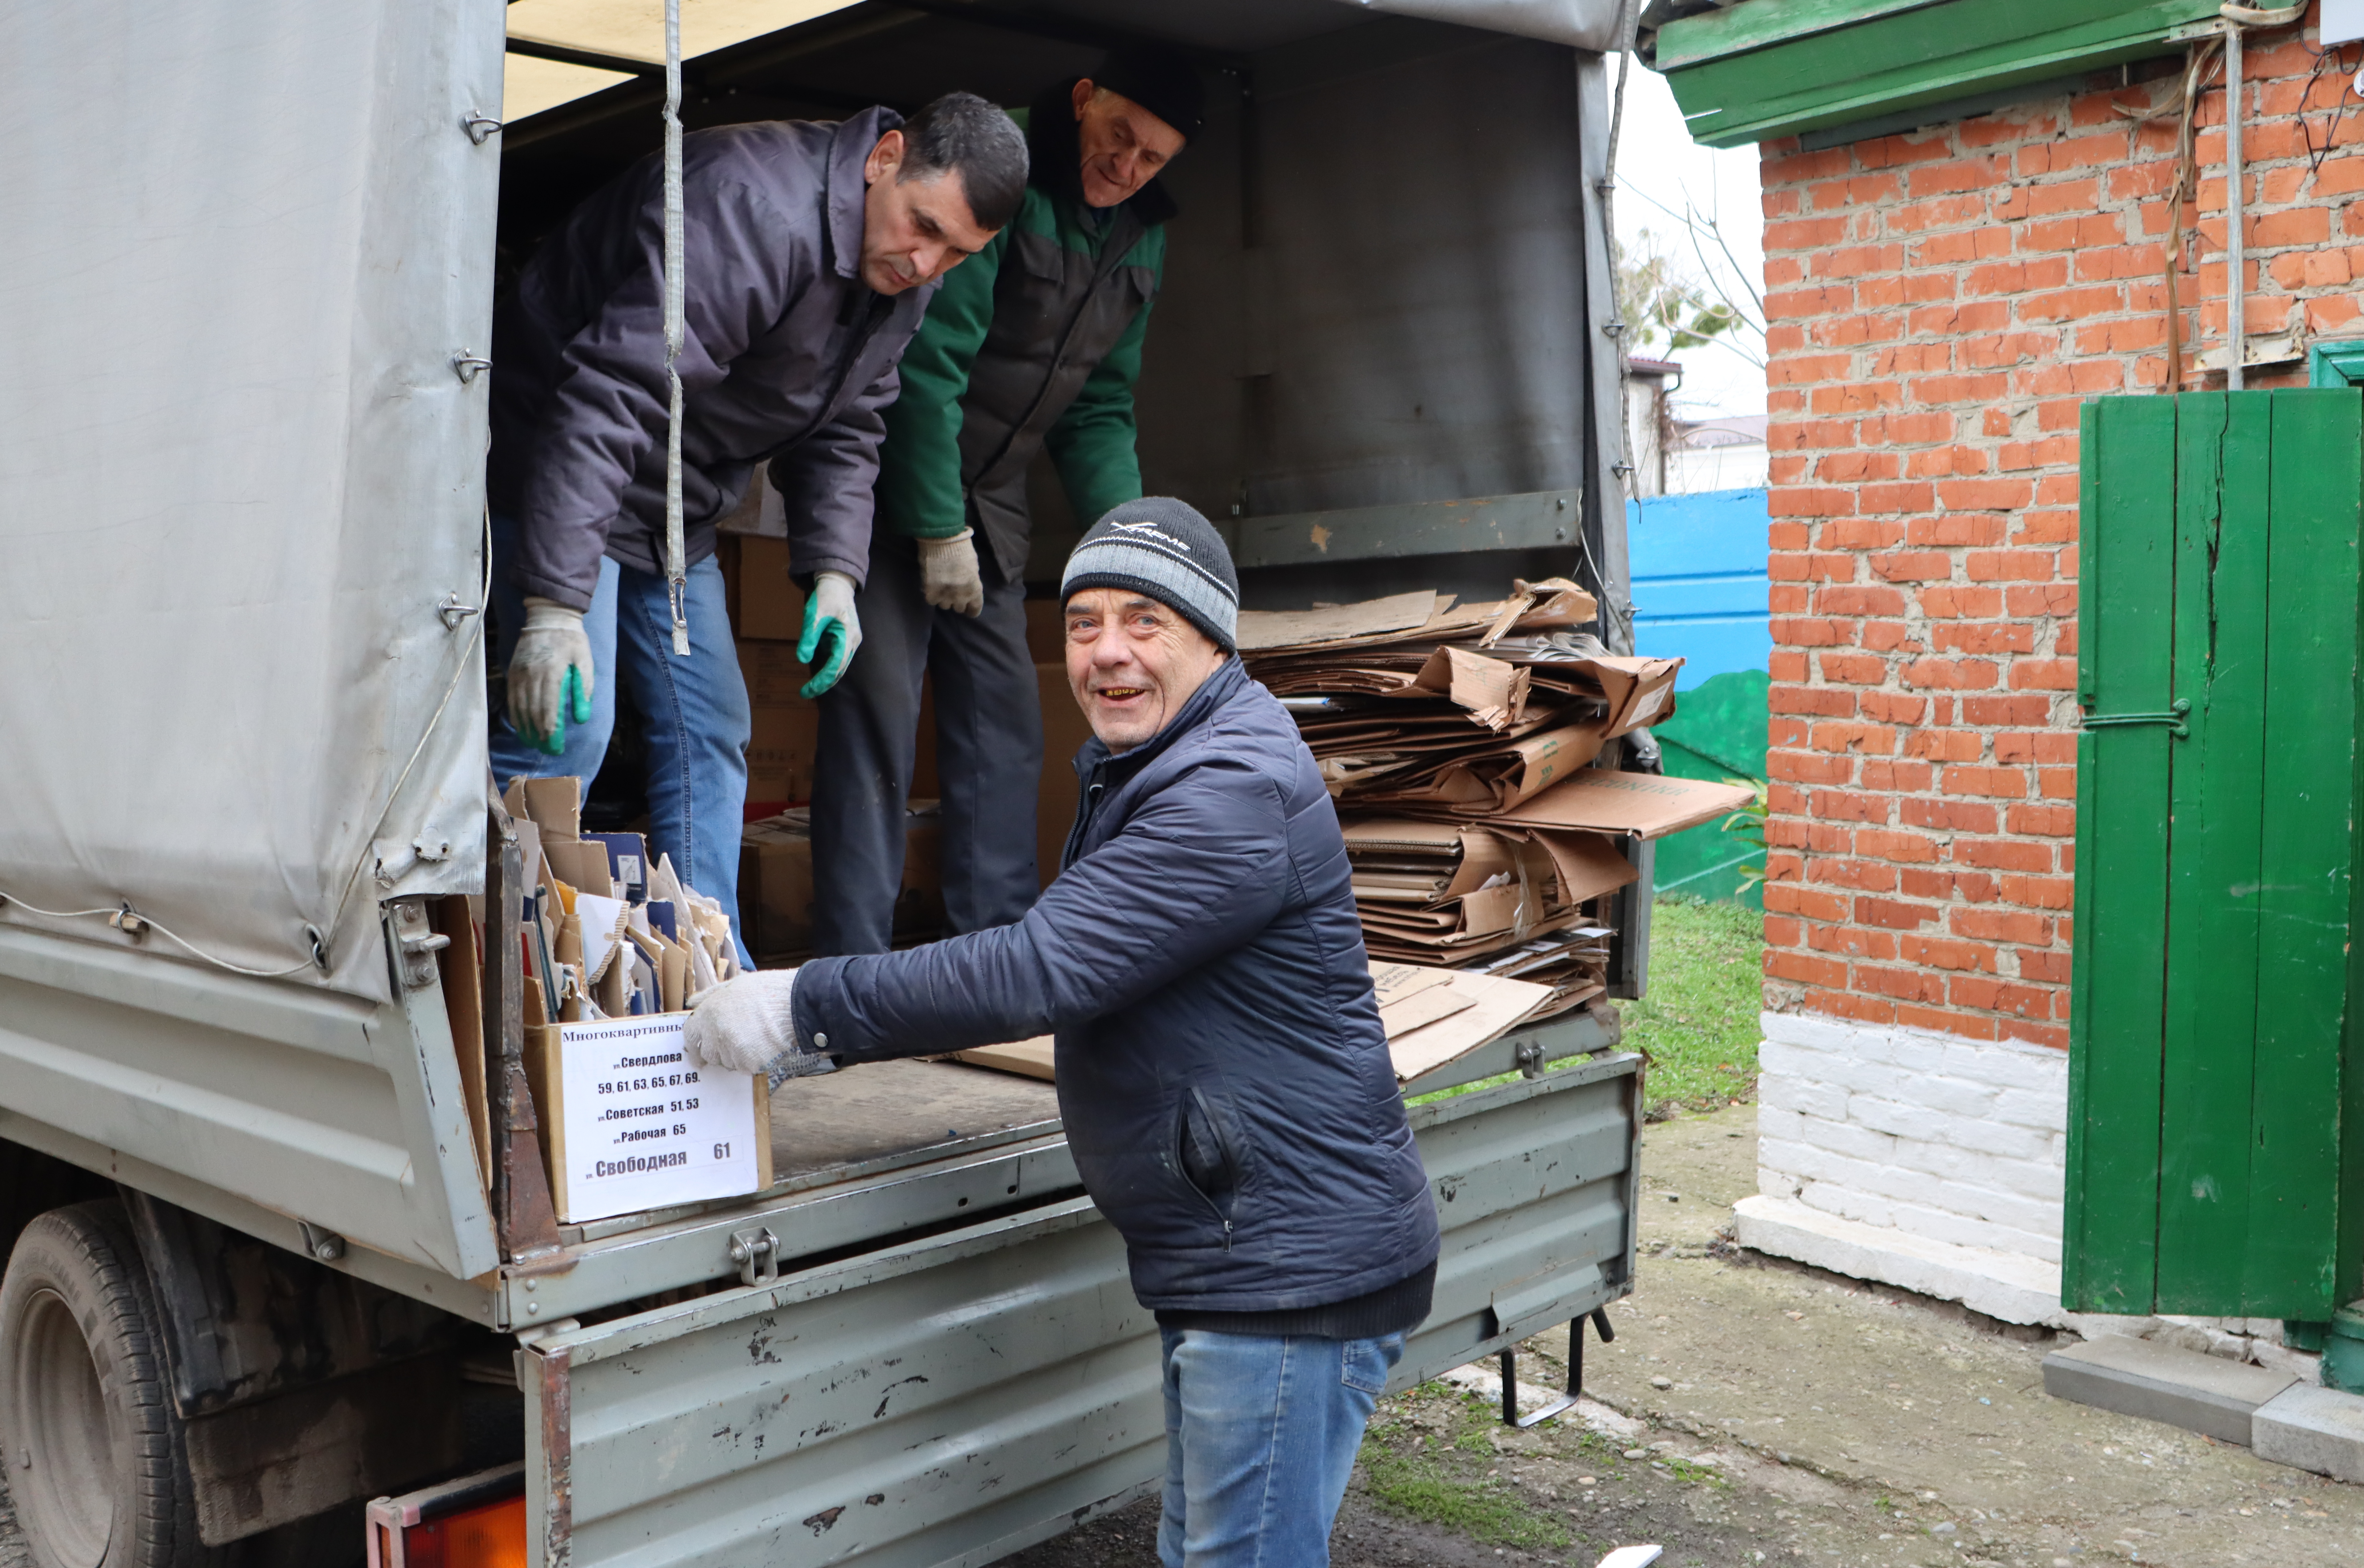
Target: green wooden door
2216,1072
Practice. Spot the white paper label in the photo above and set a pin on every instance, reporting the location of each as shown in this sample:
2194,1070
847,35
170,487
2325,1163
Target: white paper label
646,1128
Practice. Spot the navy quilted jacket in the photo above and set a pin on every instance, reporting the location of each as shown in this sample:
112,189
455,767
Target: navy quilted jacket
1224,1082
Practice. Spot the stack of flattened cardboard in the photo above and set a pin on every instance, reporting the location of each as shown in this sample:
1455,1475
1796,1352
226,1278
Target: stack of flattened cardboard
1460,742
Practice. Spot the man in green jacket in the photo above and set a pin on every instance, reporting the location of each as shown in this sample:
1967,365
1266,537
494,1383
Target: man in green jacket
1032,345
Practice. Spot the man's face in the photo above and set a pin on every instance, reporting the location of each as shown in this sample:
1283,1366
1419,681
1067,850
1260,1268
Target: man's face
1124,144
1132,662
914,231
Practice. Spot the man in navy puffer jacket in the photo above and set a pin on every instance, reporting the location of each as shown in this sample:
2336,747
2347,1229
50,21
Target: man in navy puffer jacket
1222,1075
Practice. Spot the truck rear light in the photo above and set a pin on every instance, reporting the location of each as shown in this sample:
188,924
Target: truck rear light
477,1521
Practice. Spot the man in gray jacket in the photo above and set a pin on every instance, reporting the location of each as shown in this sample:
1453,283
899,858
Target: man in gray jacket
810,252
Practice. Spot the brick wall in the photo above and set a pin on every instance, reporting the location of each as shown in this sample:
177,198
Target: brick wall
1939,303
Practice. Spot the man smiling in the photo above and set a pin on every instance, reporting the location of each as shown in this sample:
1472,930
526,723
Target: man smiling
1222,1076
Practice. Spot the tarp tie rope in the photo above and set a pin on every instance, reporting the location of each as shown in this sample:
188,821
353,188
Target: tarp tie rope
675,332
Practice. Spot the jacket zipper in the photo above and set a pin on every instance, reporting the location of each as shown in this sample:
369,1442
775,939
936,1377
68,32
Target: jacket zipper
1231,1163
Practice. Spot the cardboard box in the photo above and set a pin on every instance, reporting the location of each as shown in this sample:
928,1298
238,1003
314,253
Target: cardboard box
767,606
1064,731
776,882
628,1124
788,745
780,753
1047,631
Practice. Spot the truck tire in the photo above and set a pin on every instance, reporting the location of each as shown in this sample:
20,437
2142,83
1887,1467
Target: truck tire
97,1462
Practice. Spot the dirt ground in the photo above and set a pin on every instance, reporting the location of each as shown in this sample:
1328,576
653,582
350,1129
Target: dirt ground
1790,1418
1793,1417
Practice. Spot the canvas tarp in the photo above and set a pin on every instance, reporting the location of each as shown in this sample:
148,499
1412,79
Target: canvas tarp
239,470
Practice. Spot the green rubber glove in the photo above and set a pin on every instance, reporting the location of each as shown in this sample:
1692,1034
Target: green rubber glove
828,618
550,675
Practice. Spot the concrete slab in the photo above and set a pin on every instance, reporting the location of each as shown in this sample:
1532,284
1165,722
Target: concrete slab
2314,1429
2202,1394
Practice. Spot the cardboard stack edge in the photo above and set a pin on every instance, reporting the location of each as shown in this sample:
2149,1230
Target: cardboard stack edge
1461,743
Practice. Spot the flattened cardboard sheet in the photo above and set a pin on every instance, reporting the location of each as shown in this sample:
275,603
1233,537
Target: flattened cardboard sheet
1283,629
1432,1016
1603,801
1027,1057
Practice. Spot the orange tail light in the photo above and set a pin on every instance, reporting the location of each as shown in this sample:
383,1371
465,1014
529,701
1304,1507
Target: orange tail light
477,1521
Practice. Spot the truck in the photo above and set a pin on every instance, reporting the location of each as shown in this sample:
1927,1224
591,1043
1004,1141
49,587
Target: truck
285,1282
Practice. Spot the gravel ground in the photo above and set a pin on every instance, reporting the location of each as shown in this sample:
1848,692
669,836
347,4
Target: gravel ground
1784,1416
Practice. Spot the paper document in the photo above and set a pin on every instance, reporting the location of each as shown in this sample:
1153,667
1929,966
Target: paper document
641,1128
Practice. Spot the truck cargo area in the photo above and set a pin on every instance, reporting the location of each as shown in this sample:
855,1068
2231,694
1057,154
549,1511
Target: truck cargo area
253,1041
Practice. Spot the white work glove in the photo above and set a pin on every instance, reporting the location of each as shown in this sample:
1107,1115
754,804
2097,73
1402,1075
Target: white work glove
948,573
744,1024
828,618
550,675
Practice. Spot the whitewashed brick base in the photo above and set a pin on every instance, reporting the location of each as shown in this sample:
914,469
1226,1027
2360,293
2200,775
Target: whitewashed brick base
1954,1140
1936,1163
1915,1158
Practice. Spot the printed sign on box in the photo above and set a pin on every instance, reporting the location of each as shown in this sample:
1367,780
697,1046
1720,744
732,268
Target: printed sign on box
634,1126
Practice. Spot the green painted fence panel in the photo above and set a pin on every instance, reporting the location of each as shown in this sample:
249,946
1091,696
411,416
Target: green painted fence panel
2215,1072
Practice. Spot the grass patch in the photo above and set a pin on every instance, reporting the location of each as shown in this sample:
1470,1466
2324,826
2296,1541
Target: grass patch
1437,1472
1698,1022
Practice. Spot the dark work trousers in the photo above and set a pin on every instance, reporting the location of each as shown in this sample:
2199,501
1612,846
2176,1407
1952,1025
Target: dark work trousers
988,757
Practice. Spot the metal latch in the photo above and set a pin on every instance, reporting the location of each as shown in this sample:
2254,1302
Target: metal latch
757,1253
1529,1055
419,945
2177,712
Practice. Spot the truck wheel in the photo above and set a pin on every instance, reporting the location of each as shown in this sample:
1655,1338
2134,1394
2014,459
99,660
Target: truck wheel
94,1448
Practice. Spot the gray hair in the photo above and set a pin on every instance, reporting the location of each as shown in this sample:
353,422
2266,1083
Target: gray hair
961,132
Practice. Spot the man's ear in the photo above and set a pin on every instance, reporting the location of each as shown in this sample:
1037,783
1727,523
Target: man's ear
885,159
1083,94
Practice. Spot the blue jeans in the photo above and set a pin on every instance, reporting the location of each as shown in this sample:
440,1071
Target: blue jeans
694,713
1261,1435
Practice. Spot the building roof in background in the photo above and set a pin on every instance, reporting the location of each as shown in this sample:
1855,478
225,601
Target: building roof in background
1831,71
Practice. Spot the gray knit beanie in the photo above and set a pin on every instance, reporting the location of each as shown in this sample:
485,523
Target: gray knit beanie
1163,547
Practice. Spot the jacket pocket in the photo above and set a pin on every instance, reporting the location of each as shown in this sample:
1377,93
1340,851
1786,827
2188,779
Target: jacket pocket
1206,1157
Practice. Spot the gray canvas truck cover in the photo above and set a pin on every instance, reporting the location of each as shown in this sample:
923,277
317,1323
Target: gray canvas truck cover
240,472
241,515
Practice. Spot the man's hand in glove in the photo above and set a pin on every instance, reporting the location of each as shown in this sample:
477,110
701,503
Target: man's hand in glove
550,675
830,622
744,1025
948,573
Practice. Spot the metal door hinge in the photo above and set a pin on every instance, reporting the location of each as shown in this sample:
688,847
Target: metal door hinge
757,1253
2178,711
321,1242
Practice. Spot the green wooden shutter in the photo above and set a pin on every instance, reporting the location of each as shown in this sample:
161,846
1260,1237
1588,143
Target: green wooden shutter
2216,1072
